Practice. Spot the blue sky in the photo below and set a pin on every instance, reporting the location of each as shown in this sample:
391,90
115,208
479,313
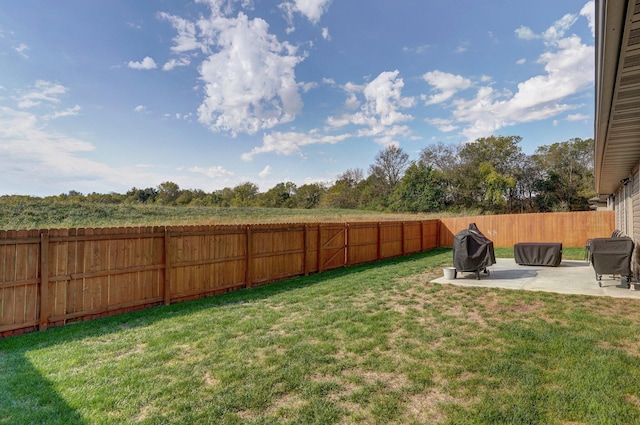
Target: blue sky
106,96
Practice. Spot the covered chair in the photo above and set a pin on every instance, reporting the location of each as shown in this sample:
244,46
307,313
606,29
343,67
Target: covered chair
612,256
472,251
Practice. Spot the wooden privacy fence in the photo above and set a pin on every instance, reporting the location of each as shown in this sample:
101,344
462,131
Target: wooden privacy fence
53,277
572,229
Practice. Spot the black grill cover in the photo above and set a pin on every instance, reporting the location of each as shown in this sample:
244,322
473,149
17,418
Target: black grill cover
611,255
472,251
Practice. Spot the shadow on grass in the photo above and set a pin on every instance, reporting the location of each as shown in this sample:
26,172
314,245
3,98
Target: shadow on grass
27,397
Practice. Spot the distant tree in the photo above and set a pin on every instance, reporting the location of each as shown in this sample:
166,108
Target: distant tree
440,156
344,193
223,198
421,189
142,196
486,174
567,180
244,195
309,195
384,175
168,193
444,161
279,196
105,198
193,197
184,198
524,194
389,166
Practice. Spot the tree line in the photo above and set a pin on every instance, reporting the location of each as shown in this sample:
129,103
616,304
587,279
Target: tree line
491,175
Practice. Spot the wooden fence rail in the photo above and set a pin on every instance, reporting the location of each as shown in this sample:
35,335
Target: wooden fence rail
58,276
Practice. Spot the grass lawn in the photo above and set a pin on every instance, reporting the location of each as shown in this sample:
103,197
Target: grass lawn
371,344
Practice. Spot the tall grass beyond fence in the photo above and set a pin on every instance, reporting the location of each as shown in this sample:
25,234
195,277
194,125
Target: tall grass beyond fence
58,276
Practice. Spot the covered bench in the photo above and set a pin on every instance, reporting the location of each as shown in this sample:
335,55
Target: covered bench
538,253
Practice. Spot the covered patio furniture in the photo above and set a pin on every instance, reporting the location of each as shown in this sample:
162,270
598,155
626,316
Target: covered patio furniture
472,251
538,253
612,256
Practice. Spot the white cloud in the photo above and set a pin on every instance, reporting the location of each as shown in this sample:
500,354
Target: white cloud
418,49
557,31
187,39
462,47
578,117
250,80
213,172
325,34
383,101
173,63
265,172
445,84
444,125
42,91
290,143
589,12
525,33
521,61
308,86
146,63
311,9
379,113
64,113
139,108
22,49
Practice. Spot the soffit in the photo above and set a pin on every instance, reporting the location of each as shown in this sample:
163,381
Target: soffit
617,149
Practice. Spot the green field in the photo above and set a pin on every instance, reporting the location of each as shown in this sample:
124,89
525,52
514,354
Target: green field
45,214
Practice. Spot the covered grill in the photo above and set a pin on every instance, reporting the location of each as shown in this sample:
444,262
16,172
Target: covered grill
472,251
612,256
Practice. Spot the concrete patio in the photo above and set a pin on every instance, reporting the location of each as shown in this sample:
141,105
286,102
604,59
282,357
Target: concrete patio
571,277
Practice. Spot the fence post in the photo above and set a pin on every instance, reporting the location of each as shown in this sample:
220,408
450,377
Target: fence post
44,281
305,255
402,234
167,266
379,253
347,259
320,256
421,235
247,262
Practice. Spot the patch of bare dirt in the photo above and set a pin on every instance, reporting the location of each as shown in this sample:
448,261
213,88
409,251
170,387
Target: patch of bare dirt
209,381
424,408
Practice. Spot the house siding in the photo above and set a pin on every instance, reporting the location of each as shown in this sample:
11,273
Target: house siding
635,220
626,204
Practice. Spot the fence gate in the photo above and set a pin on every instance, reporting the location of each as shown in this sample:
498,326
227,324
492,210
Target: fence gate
332,244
